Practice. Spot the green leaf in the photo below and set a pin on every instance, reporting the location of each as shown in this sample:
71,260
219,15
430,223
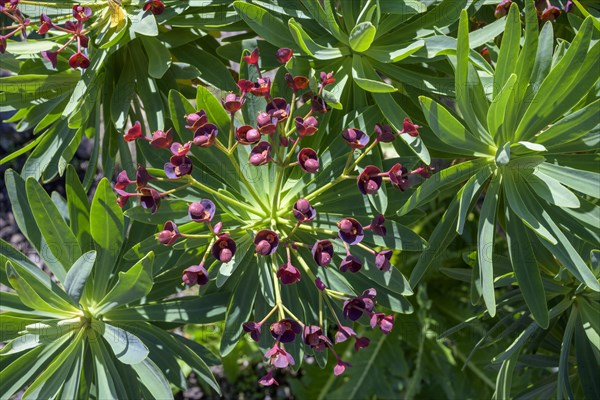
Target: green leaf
59,238
159,57
127,347
570,79
439,240
565,350
58,82
524,263
496,116
77,276
444,179
131,286
471,192
107,378
505,376
310,47
153,379
451,131
265,24
145,24
397,237
239,309
362,36
107,228
212,69
38,296
372,84
206,101
551,190
571,127
123,95
585,182
79,209
587,361
195,310
485,242
509,50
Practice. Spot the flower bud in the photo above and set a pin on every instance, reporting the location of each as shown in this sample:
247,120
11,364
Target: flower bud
266,242
283,55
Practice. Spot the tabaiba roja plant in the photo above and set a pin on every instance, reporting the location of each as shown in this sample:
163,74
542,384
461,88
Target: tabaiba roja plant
289,216
529,146
97,328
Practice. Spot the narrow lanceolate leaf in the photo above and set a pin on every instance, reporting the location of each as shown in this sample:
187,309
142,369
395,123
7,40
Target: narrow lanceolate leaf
572,127
131,286
509,49
451,131
265,24
586,182
127,347
496,116
153,379
524,263
107,228
485,242
77,276
107,378
79,209
504,379
471,192
551,190
309,46
59,238
562,384
366,78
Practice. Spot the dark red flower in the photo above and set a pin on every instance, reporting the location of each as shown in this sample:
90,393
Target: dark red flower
319,105
312,336
283,55
296,83
262,87
344,333
306,127
196,120
266,123
150,199
384,133
352,263
245,85
260,154
81,13
285,330
45,24
288,274
385,322
355,307
268,380
382,260
303,211
142,177
252,59
79,60
179,149
178,166
161,139
356,138
320,285
135,132
327,78
202,211
123,181
205,135
550,14
196,274
569,6
51,56
224,248
3,44
308,160
340,367
278,357
233,103
361,343
266,242
278,109
217,227
169,235
423,170
246,134
350,230
377,225
156,7
322,252
410,128
124,197
253,328
502,8
369,180
399,177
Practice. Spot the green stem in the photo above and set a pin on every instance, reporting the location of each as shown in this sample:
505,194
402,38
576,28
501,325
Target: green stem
269,314
250,188
364,154
277,290
278,183
231,129
325,187
289,120
224,197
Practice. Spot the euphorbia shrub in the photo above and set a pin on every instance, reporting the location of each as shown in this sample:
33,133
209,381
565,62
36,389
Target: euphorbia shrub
296,227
